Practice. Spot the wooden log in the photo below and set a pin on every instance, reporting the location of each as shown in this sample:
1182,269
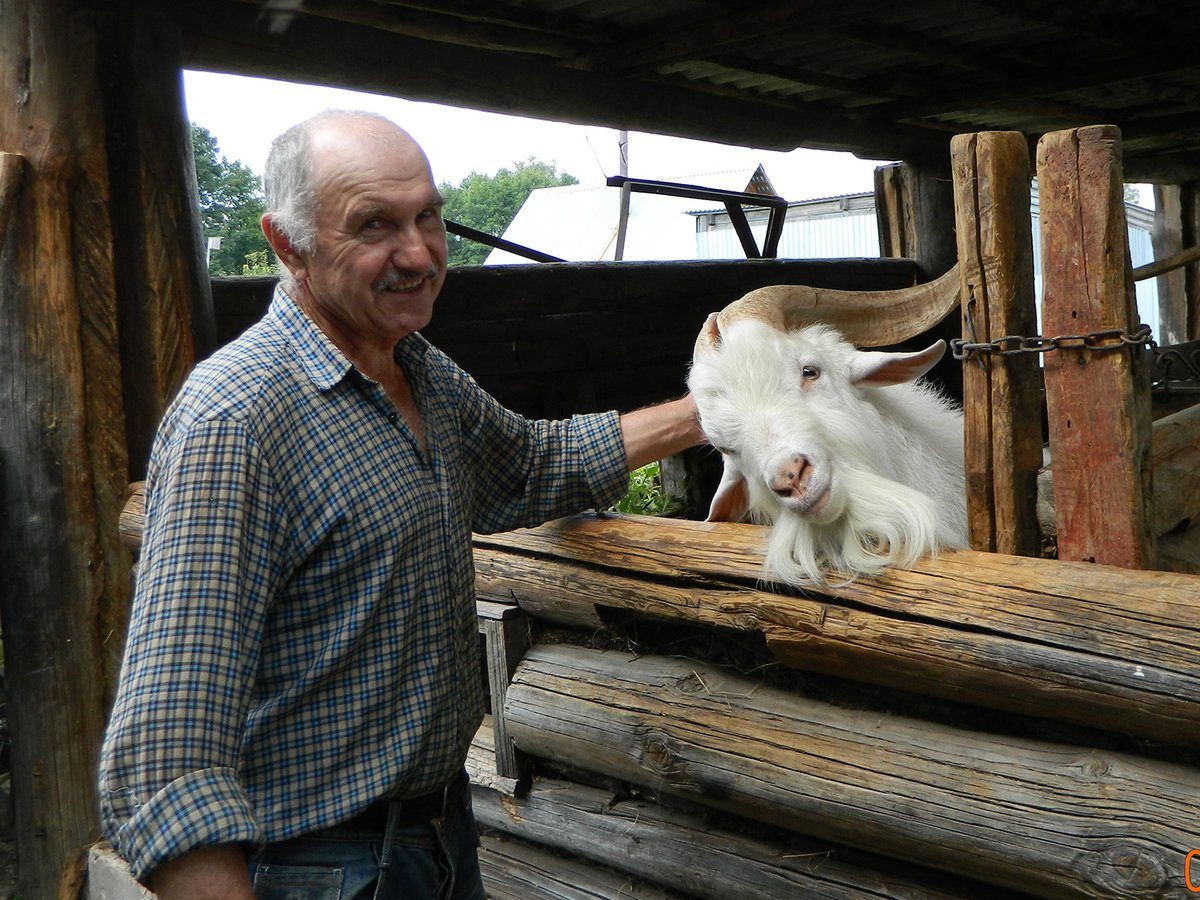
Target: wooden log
1074,642
515,870
914,204
62,431
163,287
1170,264
1002,395
1047,819
685,851
1098,402
1175,460
1093,645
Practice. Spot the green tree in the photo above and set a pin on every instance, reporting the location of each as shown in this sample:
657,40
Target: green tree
488,203
231,203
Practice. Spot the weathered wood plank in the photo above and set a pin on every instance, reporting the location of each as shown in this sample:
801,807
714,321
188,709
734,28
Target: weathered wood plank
1002,395
1083,643
506,638
1048,819
515,870
1098,402
685,851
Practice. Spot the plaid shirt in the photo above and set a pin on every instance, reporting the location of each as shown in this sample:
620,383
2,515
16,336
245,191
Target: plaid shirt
303,637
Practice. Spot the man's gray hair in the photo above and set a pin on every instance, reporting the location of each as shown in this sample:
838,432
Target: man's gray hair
287,182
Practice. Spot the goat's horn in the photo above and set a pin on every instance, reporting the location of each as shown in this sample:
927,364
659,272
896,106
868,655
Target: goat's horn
865,318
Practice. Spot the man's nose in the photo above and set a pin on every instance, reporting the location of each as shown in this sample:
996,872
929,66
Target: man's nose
411,251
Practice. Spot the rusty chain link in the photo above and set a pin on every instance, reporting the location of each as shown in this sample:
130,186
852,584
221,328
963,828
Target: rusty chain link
1096,341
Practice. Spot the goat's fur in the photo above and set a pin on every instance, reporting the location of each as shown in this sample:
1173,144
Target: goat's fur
881,453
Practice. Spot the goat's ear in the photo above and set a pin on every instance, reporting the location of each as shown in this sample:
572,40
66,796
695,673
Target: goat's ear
731,502
880,368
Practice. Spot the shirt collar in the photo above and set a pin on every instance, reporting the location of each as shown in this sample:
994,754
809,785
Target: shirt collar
320,358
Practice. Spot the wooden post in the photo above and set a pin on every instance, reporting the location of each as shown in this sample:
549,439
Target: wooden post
915,205
84,259
1099,404
505,630
62,433
1001,394
164,293
1177,228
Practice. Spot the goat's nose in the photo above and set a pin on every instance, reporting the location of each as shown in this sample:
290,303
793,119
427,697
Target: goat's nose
791,477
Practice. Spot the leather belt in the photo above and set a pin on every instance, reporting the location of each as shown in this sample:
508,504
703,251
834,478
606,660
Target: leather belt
412,810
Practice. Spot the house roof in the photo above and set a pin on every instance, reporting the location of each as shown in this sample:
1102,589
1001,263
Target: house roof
579,223
884,80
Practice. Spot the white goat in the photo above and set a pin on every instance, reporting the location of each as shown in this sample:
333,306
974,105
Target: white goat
857,464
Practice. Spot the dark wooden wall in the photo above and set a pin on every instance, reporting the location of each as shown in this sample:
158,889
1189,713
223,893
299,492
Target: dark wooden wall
553,339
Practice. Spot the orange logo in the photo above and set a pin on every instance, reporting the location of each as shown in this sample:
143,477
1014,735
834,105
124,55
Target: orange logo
1193,886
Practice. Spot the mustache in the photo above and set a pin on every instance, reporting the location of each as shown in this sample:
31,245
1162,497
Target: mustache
393,279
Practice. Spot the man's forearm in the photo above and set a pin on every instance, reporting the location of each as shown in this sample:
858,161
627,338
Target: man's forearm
206,873
657,432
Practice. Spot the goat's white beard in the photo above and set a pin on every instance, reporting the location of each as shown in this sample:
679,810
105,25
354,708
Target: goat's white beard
885,524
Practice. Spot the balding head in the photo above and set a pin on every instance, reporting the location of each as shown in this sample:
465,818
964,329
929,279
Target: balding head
292,180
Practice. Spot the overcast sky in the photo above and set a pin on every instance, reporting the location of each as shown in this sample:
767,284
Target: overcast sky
244,114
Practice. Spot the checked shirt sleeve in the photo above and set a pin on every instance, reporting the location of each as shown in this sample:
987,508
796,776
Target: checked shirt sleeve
209,566
525,472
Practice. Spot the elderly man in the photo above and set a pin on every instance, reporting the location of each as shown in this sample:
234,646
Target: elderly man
301,679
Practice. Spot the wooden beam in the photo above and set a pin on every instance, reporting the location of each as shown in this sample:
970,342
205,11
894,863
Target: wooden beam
1170,264
1019,813
217,32
1099,405
1002,398
62,431
165,299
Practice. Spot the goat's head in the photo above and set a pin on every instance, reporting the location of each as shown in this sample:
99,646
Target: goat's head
787,413
791,406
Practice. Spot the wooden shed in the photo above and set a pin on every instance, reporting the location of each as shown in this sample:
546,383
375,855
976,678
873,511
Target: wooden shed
664,724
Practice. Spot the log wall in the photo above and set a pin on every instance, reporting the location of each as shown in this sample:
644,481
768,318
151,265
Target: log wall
553,339
1011,738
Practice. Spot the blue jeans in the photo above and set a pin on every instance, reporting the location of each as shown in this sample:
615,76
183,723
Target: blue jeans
431,861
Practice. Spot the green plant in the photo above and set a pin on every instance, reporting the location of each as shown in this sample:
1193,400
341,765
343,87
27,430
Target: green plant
646,494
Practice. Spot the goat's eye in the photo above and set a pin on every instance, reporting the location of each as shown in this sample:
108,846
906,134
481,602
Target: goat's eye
810,373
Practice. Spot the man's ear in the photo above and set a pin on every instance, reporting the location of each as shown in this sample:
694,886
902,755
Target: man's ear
283,247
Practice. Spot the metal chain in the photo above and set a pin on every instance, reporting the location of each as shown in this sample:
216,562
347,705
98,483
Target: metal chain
1096,341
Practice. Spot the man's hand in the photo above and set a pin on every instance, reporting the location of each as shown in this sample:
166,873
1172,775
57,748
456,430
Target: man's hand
205,873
